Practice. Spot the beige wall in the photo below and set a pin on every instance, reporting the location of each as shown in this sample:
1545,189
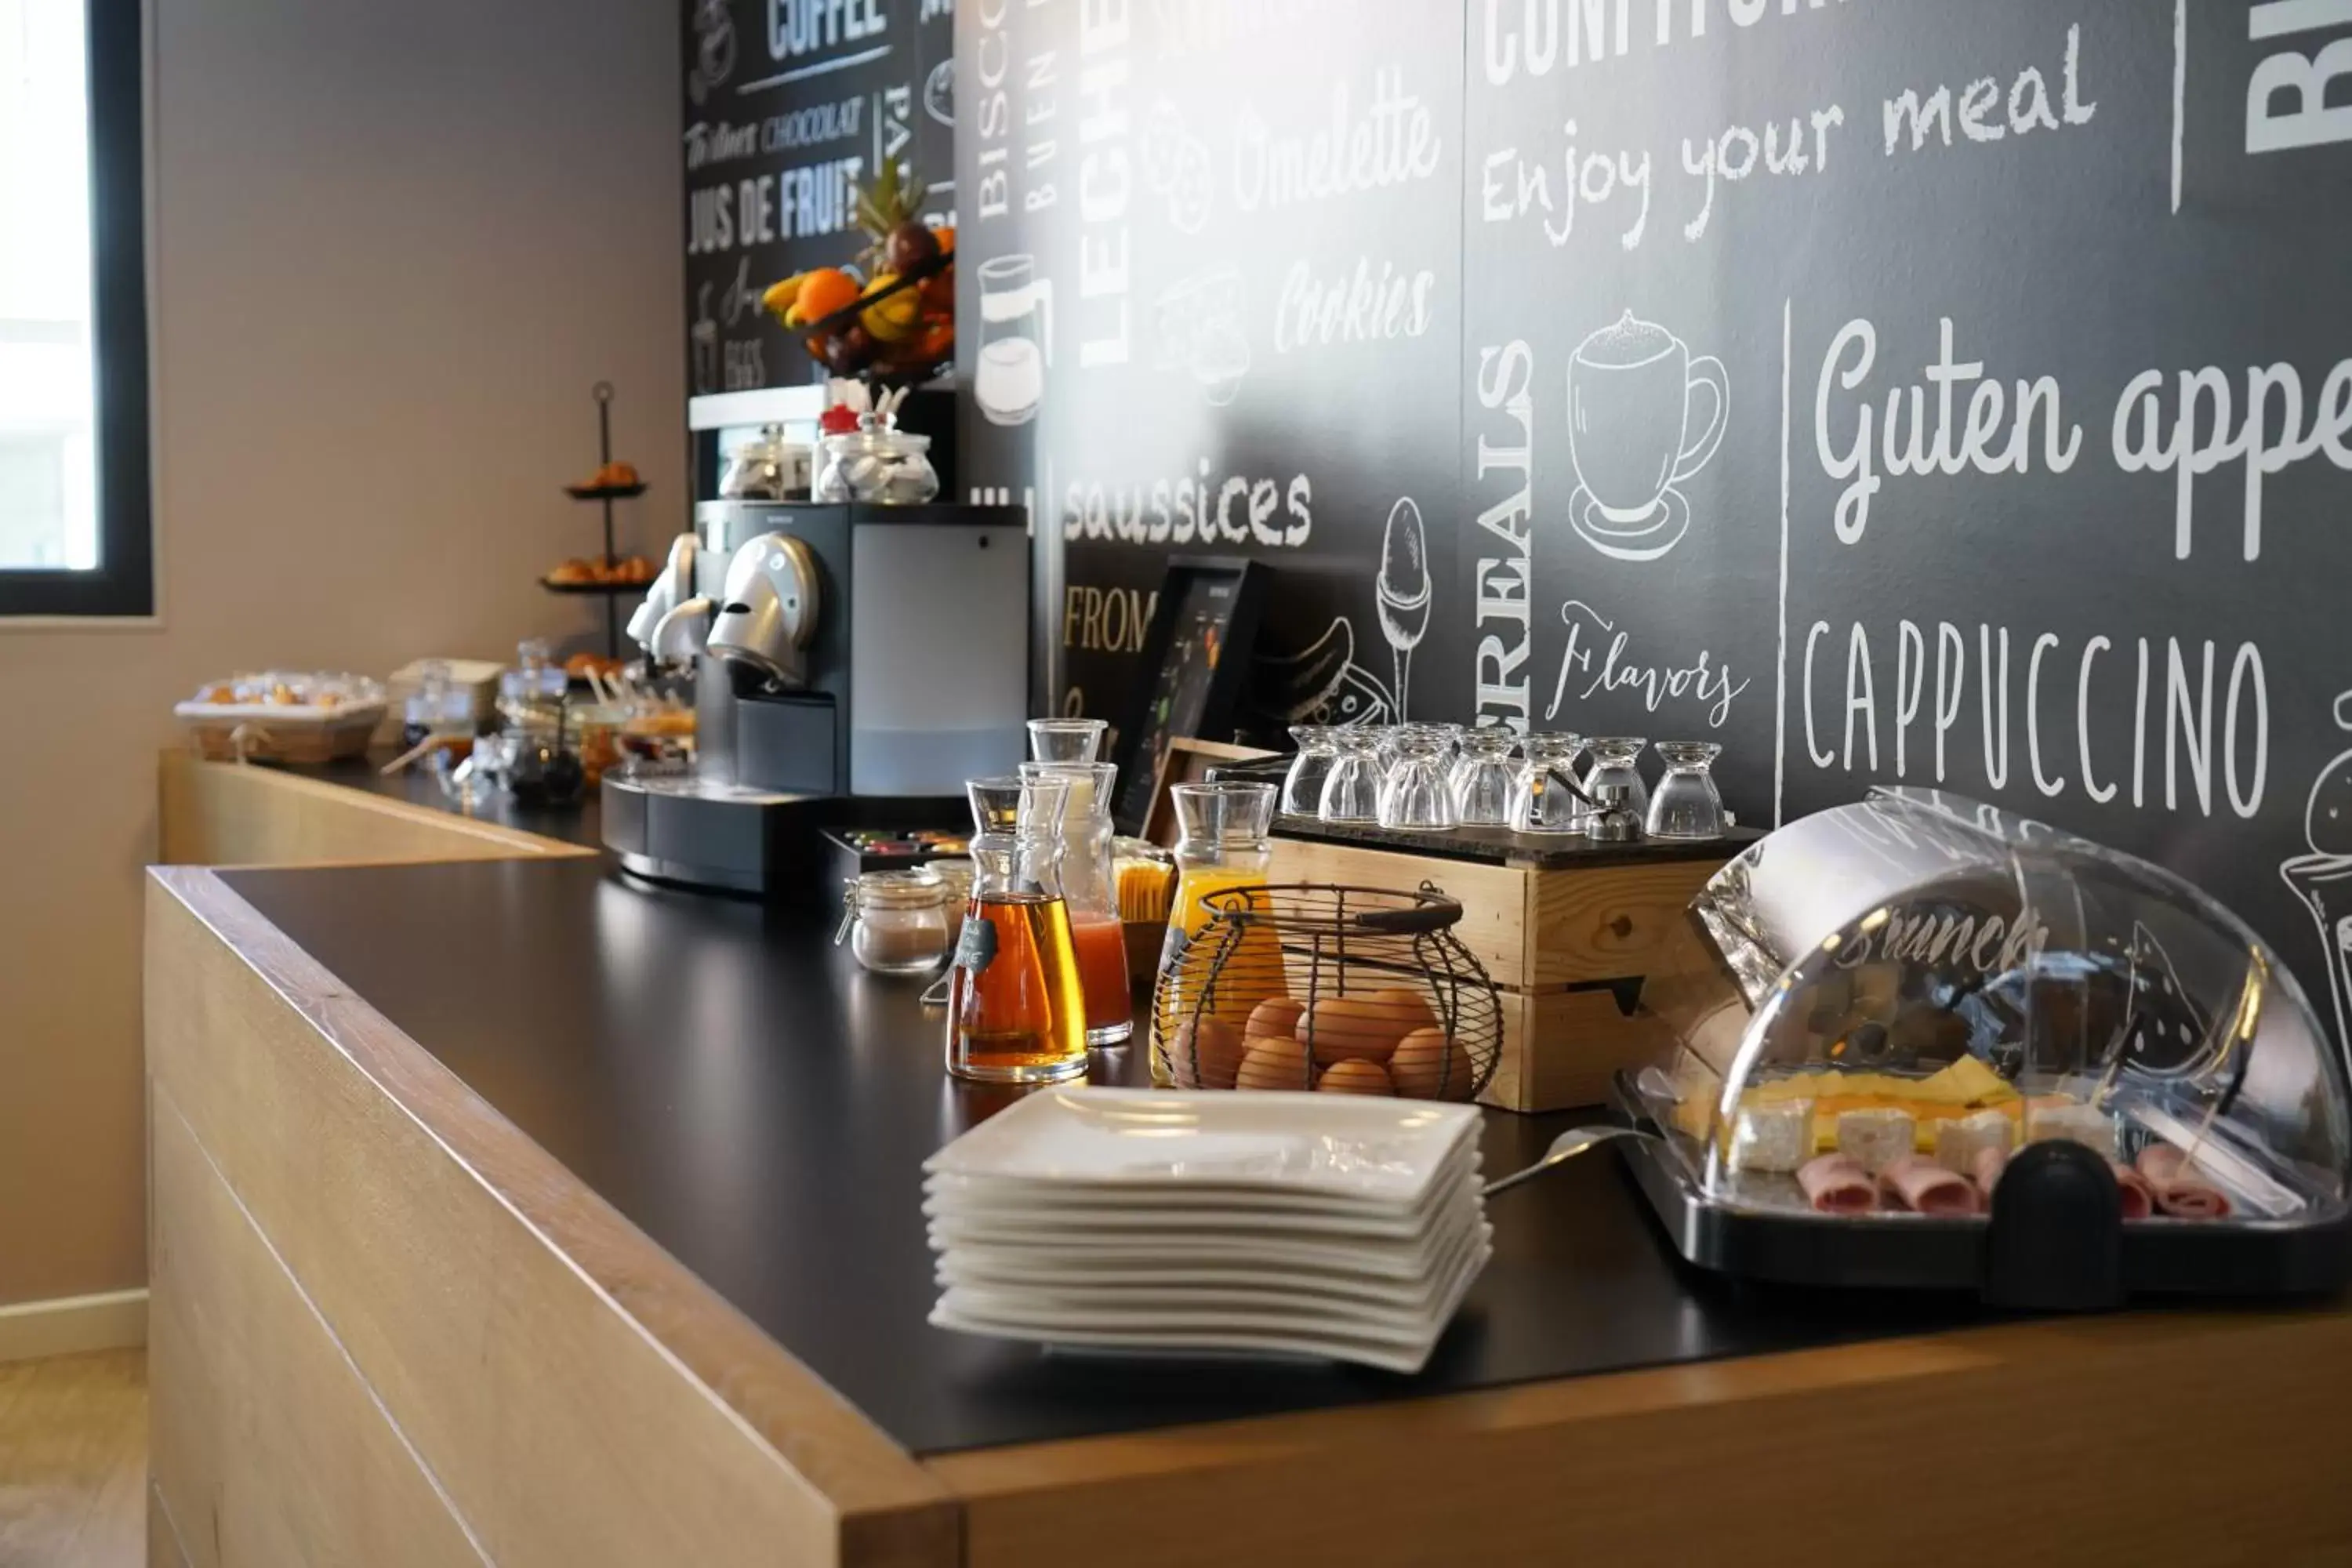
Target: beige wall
392,245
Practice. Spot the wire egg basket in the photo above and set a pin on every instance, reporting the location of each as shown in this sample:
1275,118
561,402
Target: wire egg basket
1341,989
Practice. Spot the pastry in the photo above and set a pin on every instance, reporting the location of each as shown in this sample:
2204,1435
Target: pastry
572,570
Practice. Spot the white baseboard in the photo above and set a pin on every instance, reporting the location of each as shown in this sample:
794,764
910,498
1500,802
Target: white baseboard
114,1321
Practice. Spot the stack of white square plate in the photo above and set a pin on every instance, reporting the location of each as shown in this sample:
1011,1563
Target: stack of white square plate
1317,1224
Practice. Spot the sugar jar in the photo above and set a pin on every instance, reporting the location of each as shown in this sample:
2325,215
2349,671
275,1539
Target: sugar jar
896,923
876,462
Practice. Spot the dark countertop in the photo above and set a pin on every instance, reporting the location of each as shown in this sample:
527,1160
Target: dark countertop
759,1106
417,786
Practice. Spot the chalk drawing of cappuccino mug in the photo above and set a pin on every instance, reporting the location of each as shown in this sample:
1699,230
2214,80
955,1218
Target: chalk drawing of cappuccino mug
1629,394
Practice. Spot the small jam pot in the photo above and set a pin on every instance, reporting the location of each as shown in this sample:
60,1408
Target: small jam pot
896,923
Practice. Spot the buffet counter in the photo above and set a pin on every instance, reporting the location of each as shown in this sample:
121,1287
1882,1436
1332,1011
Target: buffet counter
507,1209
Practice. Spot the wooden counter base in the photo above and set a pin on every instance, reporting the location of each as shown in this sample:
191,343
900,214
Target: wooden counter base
365,1275
389,1328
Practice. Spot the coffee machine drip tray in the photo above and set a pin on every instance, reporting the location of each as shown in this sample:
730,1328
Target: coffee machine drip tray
689,786
708,833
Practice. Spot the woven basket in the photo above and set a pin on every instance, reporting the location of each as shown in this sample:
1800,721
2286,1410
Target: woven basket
249,734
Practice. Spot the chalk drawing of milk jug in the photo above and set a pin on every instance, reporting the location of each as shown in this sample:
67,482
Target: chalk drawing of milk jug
2323,878
1016,339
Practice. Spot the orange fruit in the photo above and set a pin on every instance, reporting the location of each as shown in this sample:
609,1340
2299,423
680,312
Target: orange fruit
824,291
945,234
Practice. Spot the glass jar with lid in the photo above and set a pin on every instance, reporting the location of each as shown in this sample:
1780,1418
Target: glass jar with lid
896,923
531,695
438,709
876,462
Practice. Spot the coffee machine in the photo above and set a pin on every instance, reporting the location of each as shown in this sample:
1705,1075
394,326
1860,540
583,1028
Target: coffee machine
854,665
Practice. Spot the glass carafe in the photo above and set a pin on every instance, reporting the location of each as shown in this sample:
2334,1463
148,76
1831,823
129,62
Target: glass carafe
1352,791
1543,793
1617,759
1089,888
1415,794
1302,787
1481,777
1065,739
1221,845
1686,804
1016,1008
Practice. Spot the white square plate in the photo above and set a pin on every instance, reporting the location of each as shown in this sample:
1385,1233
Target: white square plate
1224,1333
1035,1205
1154,1272
1358,1256
1389,1150
1305,1298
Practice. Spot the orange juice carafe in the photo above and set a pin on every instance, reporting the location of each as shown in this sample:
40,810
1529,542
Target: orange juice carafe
1222,847
1088,888
1016,1011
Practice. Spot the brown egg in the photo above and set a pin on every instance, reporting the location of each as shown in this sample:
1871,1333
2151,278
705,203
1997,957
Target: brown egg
1356,1078
1205,1053
1361,1028
1275,1015
1428,1065
1273,1063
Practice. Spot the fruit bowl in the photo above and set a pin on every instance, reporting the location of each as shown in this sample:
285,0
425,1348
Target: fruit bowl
895,322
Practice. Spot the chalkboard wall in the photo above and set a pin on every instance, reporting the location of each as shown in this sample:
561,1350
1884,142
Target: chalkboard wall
789,104
1895,390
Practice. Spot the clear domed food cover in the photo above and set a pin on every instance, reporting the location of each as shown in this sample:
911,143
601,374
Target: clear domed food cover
1923,1041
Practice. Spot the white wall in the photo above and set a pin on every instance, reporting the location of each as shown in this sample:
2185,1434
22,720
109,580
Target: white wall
392,248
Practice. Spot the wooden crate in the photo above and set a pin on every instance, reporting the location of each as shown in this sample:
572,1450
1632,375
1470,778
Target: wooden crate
1566,946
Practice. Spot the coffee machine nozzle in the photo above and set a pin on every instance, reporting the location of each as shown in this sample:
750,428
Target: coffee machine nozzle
683,634
768,611
674,586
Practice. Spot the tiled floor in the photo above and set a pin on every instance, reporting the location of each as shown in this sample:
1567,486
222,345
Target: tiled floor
73,1461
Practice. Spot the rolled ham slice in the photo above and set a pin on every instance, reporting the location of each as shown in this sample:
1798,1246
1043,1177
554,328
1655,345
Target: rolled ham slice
2181,1191
2138,1193
1926,1188
1836,1184
1985,1167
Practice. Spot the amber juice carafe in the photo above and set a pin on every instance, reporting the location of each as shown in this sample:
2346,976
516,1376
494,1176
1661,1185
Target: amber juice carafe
1016,1011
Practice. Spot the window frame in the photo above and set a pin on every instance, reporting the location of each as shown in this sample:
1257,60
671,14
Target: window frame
123,585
